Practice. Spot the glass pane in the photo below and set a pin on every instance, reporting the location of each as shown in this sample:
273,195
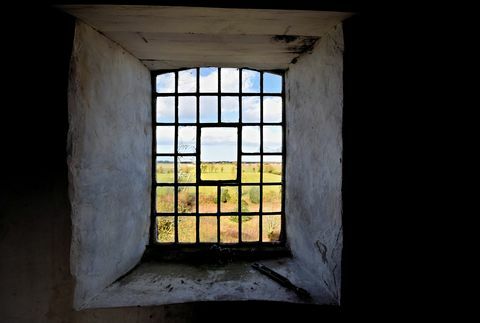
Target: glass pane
251,139
187,169
272,198
218,154
165,83
250,169
272,139
230,80
250,81
166,109
209,79
187,81
229,199
165,229
272,83
230,108
250,198
272,169
250,228
165,199
187,199
272,109
187,140
229,229
208,229
271,228
165,170
165,139
251,109
208,109
207,199
187,109
187,230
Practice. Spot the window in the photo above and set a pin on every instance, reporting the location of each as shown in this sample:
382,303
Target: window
218,156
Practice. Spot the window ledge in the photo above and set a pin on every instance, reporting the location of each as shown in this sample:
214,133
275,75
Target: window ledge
154,283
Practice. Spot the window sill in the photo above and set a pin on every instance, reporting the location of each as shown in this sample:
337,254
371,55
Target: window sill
153,283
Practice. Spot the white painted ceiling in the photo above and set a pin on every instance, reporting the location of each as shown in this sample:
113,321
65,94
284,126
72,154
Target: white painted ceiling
174,37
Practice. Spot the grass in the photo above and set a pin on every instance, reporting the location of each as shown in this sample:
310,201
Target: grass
207,200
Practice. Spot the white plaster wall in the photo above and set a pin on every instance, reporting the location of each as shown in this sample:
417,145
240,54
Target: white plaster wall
314,166
109,161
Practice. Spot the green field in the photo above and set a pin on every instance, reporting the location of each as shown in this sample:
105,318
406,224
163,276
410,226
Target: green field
208,202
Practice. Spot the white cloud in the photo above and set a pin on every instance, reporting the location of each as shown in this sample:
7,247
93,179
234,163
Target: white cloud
187,111
166,109
251,139
215,136
250,81
272,138
272,109
187,81
166,83
230,79
251,109
209,82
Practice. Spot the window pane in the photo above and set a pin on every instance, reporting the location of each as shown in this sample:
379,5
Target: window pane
272,109
250,228
229,199
165,229
250,169
251,109
272,83
208,109
208,229
164,169
209,79
218,154
165,139
230,80
207,199
250,198
230,108
251,139
229,229
166,83
187,230
187,109
187,199
166,109
165,199
271,228
187,81
272,139
250,81
187,169
272,198
272,169
187,140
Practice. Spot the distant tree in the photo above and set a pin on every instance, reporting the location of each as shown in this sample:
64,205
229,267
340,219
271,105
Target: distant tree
254,194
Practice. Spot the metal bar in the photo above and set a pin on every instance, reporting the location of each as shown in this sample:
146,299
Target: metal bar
222,213
239,155
224,125
197,161
175,194
215,183
260,211
153,224
219,111
218,212
219,93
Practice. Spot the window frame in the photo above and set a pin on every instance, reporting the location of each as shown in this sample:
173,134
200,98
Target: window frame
261,246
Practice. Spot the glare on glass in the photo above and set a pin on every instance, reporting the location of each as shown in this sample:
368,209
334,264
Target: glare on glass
165,229
187,139
230,80
164,169
229,229
230,108
208,79
165,139
165,83
250,81
251,139
187,109
187,81
166,109
272,109
272,139
208,109
251,109
272,83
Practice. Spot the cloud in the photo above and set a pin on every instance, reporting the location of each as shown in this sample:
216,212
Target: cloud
166,83
251,109
272,109
166,109
272,138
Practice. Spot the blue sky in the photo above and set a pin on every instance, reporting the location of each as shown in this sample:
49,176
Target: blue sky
219,144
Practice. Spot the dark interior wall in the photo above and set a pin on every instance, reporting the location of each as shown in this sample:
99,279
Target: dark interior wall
36,285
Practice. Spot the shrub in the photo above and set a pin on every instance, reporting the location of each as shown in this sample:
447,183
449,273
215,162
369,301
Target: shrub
254,194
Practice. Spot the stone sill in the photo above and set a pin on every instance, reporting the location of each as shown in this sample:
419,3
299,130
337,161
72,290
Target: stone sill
154,283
